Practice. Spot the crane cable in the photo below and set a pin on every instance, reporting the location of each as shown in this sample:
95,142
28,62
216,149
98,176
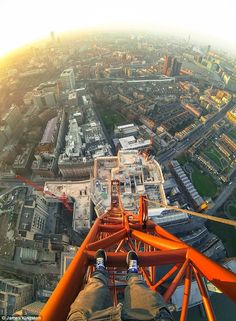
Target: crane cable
205,216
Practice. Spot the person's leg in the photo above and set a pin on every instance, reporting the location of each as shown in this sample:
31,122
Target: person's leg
95,296
141,303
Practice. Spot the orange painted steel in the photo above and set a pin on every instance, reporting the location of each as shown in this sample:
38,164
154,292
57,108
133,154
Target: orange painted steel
178,278
222,278
186,295
205,296
58,305
118,231
161,232
157,242
166,276
159,258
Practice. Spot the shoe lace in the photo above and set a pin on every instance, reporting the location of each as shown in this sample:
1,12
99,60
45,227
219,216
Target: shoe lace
100,261
133,264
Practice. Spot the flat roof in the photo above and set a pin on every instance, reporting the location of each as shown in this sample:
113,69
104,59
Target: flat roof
126,126
49,131
136,175
80,191
131,142
67,71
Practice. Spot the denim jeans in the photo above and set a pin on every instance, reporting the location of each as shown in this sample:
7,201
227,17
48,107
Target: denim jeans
95,301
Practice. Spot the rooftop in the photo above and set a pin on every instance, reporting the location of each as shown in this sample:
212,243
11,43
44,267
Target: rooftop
84,143
131,142
49,131
22,159
80,191
136,175
67,72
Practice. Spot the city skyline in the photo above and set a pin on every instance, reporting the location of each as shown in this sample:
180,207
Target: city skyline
26,21
131,133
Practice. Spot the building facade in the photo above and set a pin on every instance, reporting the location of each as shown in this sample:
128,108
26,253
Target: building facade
67,79
49,148
33,217
14,294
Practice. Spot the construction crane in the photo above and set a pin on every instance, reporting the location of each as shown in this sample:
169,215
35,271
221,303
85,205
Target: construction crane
117,231
146,152
63,198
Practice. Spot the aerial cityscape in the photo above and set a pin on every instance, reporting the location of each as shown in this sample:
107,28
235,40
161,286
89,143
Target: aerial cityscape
79,111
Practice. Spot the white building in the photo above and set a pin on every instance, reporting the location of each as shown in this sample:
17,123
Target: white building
67,79
73,99
130,142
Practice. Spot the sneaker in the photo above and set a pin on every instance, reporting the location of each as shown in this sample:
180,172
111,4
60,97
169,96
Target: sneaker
132,262
101,259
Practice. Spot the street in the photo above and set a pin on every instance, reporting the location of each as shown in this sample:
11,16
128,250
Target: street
194,136
223,196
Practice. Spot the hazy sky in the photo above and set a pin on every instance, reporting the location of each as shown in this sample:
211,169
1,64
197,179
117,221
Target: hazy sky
22,21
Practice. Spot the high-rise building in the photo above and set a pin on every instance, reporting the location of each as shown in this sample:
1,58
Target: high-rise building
171,66
67,79
33,217
167,64
176,66
14,294
50,86
11,118
42,100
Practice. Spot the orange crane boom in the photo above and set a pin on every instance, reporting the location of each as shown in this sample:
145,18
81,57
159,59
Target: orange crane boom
63,198
118,231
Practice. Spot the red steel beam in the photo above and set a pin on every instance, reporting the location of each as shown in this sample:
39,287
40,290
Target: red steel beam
124,228
150,226
187,292
222,278
205,298
120,245
145,258
176,281
157,242
166,276
108,241
146,277
58,305
153,274
110,227
160,231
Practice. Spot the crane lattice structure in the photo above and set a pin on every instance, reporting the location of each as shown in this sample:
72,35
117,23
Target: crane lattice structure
118,231
62,198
